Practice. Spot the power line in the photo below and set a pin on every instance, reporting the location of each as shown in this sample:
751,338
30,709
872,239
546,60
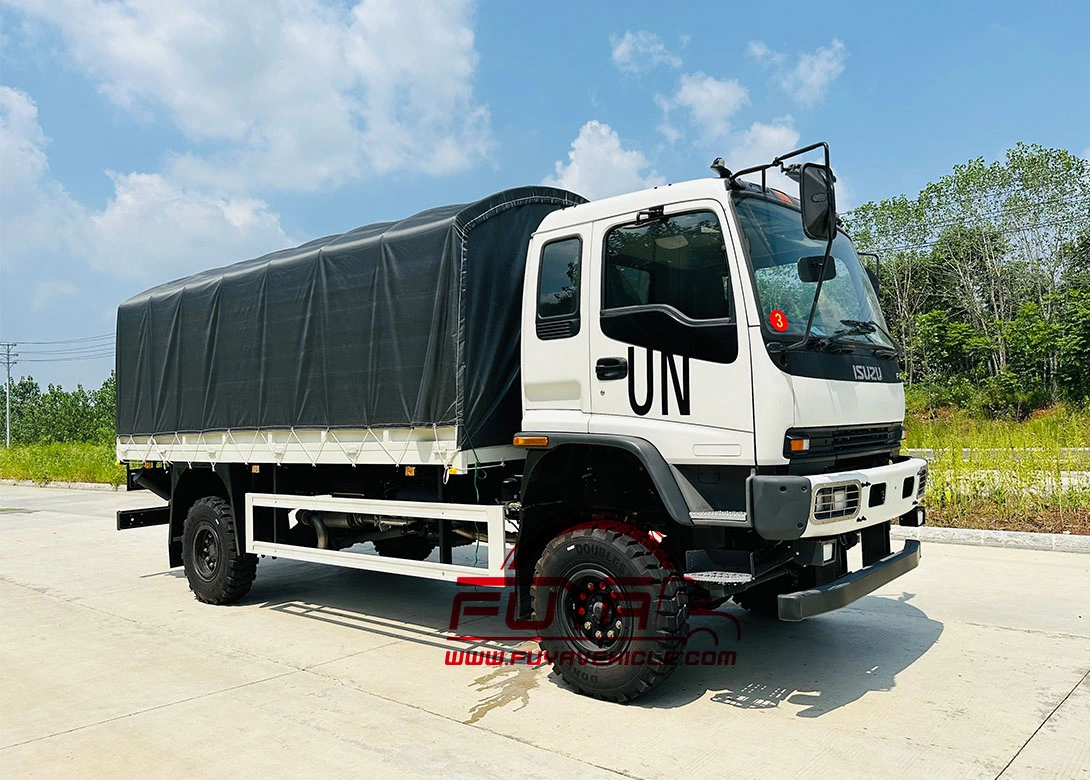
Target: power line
69,341
1012,211
98,356
1003,232
69,350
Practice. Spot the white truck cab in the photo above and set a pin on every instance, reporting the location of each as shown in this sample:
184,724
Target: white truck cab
726,337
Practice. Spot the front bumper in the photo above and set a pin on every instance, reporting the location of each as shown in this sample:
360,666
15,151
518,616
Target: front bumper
839,593
787,507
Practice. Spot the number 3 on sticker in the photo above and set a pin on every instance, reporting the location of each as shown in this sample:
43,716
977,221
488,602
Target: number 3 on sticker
778,320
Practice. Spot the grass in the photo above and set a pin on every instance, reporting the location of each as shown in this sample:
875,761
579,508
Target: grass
1003,475
44,463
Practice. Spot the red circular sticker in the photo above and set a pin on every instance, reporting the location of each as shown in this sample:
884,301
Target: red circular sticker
778,320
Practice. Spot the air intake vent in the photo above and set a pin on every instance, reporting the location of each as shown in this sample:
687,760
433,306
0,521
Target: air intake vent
560,329
836,502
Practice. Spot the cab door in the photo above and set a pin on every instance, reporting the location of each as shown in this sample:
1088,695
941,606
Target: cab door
555,366
669,353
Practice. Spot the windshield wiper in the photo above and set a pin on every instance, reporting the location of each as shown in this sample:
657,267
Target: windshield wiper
863,327
821,343
831,343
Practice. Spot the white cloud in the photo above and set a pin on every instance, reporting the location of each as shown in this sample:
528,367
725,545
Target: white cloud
151,227
1086,153
50,291
709,102
36,213
809,79
640,52
760,143
759,51
153,221
599,166
297,94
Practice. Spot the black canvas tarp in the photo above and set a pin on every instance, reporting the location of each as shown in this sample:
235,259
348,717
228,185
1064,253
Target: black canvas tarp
396,324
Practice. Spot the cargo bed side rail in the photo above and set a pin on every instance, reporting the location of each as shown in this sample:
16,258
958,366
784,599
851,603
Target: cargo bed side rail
494,574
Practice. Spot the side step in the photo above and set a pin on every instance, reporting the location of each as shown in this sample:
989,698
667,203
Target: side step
731,581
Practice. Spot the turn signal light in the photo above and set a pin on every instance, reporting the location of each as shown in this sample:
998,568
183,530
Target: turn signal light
798,445
531,441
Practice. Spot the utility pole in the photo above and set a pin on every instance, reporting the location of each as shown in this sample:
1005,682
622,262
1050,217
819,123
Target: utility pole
9,360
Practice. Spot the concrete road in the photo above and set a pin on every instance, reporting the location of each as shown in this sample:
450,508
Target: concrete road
977,664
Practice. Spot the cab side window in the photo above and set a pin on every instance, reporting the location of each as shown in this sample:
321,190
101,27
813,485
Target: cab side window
678,261
666,286
558,289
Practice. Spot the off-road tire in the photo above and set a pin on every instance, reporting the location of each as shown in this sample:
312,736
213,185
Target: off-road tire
412,548
625,555
217,573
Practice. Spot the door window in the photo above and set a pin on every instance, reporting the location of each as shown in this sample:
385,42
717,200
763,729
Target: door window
558,289
679,261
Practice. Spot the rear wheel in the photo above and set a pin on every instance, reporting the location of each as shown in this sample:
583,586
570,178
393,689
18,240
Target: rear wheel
413,548
611,609
217,572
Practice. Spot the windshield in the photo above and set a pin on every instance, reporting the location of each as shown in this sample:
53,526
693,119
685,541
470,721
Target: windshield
774,241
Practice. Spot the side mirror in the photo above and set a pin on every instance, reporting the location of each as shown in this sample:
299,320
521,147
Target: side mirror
818,201
810,268
872,271
873,278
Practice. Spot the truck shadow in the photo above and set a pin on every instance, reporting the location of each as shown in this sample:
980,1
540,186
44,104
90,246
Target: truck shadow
820,664
748,663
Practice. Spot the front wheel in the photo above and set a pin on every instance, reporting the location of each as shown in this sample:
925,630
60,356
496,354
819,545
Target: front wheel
217,572
611,609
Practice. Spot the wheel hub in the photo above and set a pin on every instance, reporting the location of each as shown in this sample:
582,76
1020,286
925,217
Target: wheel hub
207,551
593,614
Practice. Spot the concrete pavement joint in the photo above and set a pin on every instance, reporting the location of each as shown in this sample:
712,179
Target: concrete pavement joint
151,709
1035,631
313,669
74,601
512,737
1037,730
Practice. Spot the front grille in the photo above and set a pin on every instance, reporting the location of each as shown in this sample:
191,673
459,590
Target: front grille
829,445
922,482
836,502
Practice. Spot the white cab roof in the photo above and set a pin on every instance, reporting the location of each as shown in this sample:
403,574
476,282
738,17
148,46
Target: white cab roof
713,188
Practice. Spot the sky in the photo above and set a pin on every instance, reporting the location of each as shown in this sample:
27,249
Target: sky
143,140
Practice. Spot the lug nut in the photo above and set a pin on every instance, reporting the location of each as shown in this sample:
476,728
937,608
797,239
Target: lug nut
619,624
587,625
597,634
609,634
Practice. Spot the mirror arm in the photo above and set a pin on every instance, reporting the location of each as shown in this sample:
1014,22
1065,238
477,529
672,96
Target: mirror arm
817,293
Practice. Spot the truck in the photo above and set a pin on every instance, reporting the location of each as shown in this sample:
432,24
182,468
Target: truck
639,405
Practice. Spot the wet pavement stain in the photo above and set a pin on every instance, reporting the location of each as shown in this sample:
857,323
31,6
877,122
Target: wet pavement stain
511,683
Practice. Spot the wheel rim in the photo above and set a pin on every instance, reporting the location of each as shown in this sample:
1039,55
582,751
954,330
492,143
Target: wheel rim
595,614
206,551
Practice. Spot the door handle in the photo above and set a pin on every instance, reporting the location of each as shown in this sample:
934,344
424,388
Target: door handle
611,368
